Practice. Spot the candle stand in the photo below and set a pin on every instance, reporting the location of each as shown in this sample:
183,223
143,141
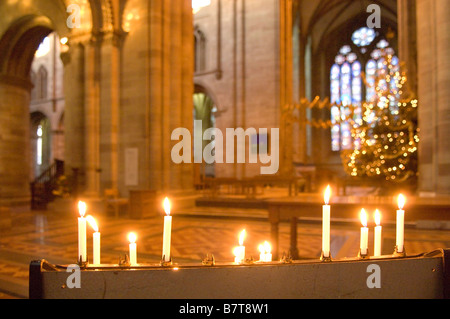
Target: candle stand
366,255
397,254
325,259
421,276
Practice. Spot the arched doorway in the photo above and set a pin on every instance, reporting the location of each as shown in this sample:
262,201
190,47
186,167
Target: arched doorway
17,49
47,105
23,126
40,142
204,110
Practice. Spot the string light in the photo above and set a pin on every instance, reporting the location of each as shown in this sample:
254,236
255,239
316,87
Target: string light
388,136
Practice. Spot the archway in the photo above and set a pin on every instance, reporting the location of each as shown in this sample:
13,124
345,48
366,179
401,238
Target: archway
40,143
204,110
17,48
22,30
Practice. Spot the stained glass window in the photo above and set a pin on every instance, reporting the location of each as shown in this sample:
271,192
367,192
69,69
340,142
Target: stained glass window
349,90
346,90
363,37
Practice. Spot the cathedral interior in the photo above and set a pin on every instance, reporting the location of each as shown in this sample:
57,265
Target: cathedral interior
354,94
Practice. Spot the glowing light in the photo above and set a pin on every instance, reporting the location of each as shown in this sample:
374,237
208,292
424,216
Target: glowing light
82,208
197,5
242,237
327,195
377,217
166,205
363,217
92,222
401,201
132,237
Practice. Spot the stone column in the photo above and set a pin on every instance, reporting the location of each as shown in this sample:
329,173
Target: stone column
286,91
433,43
109,109
74,141
187,87
14,141
170,82
407,40
92,117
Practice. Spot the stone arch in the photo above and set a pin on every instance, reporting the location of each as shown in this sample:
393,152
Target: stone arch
19,44
205,109
40,119
22,29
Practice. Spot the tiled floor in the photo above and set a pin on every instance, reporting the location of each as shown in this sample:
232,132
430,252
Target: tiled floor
195,233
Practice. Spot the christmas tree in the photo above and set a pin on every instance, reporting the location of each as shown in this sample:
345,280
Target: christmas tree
386,137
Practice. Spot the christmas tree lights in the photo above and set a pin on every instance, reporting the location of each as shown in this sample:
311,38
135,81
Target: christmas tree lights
386,138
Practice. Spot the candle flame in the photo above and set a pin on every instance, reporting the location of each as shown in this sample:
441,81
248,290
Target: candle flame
327,195
132,237
166,205
242,237
92,222
363,217
401,201
265,248
377,217
82,208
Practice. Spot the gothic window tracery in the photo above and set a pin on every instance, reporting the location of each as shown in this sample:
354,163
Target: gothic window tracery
353,79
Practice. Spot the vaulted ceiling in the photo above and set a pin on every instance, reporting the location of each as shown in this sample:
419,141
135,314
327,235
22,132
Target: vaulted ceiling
317,18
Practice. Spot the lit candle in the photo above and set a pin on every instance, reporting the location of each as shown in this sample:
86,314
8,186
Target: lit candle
239,252
167,231
265,252
96,240
82,251
364,234
132,237
377,238
326,223
400,238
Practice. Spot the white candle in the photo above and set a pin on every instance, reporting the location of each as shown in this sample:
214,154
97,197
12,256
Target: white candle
132,237
82,251
377,235
364,234
96,240
167,231
400,224
265,252
239,252
326,223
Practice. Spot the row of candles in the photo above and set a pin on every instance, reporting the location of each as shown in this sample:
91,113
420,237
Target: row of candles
132,237
364,238
239,251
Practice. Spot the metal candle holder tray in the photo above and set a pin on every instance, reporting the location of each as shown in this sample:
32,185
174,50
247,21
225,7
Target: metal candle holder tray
422,276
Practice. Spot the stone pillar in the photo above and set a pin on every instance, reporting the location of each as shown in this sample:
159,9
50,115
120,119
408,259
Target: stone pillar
286,91
433,43
110,108
407,40
14,141
187,87
170,89
92,117
74,141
